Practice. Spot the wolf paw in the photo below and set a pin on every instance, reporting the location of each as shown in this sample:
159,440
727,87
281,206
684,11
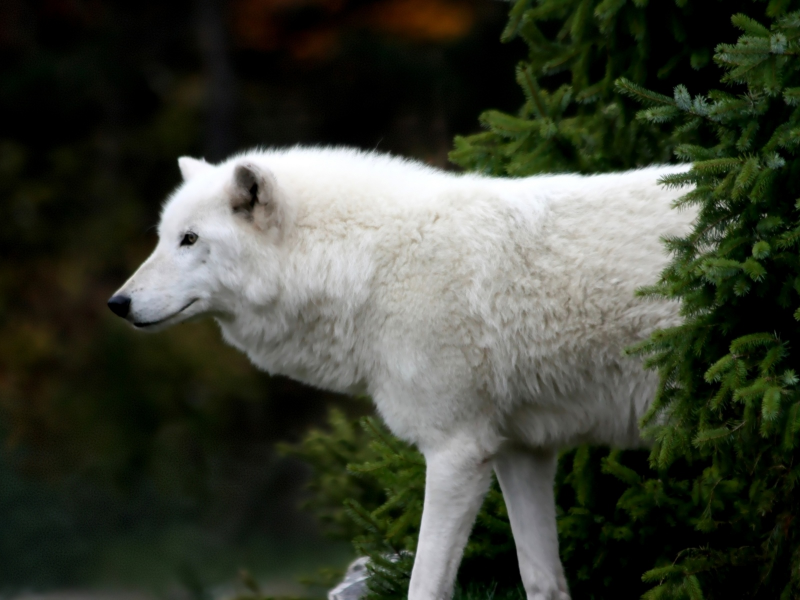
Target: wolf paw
544,586
548,595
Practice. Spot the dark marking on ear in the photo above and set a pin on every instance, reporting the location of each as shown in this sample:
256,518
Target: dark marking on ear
253,195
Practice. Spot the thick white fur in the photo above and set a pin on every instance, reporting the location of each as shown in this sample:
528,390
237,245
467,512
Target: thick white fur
486,317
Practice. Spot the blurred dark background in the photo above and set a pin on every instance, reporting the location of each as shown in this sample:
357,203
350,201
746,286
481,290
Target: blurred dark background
148,462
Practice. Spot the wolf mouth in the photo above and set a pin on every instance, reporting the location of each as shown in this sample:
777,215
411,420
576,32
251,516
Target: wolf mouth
141,325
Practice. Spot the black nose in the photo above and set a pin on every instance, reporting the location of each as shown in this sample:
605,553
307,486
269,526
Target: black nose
119,305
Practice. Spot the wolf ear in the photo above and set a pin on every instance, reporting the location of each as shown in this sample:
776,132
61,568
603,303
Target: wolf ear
256,196
190,167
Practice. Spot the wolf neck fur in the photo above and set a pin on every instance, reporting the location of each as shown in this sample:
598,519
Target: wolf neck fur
310,330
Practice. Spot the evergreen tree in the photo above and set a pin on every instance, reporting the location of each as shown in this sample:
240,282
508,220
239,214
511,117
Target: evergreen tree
574,118
728,402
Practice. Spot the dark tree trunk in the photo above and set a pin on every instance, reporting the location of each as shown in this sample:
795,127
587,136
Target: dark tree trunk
220,107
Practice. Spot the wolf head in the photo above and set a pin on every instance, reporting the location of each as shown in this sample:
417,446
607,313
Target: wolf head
220,217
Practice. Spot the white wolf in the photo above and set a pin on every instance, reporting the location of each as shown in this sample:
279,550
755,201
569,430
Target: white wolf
486,317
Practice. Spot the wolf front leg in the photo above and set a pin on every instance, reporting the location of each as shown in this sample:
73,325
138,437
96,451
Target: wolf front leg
526,478
456,480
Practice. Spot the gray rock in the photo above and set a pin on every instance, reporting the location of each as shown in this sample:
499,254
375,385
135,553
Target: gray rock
354,584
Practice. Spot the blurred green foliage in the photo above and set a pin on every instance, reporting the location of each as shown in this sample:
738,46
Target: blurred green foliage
34,518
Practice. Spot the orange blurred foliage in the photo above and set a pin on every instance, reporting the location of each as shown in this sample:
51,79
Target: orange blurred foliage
271,25
314,45
260,24
423,20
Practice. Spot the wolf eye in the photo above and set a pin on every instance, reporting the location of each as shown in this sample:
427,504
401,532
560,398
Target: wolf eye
188,239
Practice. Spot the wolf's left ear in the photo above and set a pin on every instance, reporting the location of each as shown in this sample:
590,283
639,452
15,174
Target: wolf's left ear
256,196
192,166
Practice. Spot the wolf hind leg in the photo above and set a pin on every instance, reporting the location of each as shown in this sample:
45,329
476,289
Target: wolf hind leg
526,477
